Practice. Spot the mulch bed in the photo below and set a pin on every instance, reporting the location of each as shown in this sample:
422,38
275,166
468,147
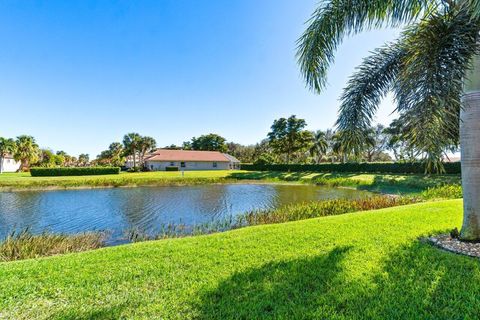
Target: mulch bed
446,242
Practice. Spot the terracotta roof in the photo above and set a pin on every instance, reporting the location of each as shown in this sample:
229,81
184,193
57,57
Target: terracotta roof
186,155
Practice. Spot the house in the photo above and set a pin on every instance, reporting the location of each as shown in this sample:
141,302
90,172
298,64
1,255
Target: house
8,164
161,159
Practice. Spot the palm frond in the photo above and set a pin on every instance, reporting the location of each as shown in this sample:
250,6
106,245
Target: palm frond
429,86
335,19
364,91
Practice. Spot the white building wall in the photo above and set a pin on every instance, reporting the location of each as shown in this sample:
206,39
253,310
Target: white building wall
9,165
189,165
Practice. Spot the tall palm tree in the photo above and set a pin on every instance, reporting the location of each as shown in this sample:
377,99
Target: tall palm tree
131,143
27,151
319,146
7,146
433,65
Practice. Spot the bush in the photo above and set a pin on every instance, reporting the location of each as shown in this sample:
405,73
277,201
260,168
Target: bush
365,167
171,168
86,171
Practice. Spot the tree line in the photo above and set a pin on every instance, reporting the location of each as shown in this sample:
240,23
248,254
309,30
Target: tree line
287,142
25,150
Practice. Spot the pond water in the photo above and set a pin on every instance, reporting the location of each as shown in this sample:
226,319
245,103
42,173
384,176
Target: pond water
147,208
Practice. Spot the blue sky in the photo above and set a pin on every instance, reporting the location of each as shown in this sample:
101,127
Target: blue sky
78,75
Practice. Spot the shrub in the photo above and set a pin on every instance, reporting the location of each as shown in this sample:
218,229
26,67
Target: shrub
171,168
84,171
366,167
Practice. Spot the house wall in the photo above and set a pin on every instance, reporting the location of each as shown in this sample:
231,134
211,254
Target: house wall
9,165
189,165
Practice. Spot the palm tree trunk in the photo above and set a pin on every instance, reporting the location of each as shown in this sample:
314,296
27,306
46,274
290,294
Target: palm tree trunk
470,155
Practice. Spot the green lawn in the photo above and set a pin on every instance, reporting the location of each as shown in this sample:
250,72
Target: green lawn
386,183
24,180
361,265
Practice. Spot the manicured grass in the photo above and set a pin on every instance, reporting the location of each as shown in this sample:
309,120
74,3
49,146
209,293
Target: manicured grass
360,265
386,183
9,181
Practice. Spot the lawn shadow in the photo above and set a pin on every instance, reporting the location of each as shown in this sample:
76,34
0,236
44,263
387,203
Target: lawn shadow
102,312
414,282
276,290
286,176
413,183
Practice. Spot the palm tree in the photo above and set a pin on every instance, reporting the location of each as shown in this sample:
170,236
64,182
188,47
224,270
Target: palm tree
27,151
431,68
131,143
7,146
320,146
147,144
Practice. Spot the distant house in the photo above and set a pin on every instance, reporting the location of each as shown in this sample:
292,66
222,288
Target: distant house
160,159
8,164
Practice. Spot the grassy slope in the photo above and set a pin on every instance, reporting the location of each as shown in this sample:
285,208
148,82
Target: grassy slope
360,265
387,183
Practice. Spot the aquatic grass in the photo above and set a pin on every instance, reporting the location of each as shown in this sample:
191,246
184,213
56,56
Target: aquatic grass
19,245
291,212
453,191
315,209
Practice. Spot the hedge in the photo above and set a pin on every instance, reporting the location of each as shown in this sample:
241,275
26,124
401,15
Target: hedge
365,167
171,168
86,171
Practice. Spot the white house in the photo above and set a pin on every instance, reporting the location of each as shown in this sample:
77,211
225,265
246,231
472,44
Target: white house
160,159
8,164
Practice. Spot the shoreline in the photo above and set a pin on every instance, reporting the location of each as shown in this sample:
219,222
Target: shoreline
171,183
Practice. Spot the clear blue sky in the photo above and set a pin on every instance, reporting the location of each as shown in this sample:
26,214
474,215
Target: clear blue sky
78,75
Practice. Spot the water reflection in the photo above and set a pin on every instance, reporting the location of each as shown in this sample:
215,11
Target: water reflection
147,208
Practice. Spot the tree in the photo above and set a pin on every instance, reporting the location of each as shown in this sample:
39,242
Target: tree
287,136
375,143
147,144
243,153
396,143
113,156
319,147
131,144
209,142
46,159
27,151
7,147
431,68
83,159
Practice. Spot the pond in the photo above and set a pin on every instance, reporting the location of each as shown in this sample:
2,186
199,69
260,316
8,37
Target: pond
147,208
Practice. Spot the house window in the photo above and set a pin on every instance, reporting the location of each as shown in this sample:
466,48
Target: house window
214,164
182,164
172,163
151,167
